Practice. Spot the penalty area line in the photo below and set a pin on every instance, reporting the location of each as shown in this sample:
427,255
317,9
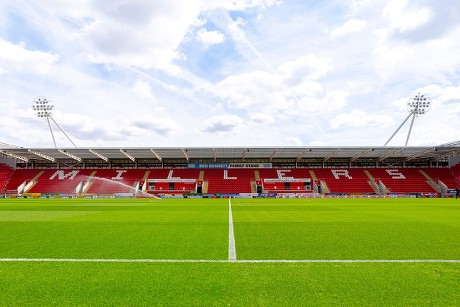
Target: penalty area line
230,260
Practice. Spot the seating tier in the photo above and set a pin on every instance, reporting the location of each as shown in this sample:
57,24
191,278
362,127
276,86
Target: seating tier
229,181
20,176
5,175
172,180
345,180
280,180
402,180
339,180
456,173
444,175
63,181
111,181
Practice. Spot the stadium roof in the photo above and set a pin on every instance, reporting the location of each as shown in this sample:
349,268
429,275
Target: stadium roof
195,154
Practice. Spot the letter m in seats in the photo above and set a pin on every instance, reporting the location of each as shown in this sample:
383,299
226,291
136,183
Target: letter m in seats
61,175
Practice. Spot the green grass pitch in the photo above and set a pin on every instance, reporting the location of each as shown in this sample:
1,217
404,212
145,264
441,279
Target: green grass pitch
38,237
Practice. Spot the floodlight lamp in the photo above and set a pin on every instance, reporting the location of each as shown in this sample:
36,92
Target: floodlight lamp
42,107
419,104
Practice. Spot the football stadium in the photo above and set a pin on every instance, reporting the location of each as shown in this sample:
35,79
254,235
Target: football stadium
230,226
226,153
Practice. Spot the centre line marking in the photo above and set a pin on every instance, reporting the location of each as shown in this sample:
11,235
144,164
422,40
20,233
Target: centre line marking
231,235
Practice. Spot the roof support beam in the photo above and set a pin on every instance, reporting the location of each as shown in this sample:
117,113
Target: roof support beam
9,145
70,155
390,154
331,155
448,154
303,154
99,155
42,155
156,155
273,154
356,157
244,154
123,151
184,151
420,153
12,155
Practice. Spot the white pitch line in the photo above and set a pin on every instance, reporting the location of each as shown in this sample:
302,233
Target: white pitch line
231,261
231,235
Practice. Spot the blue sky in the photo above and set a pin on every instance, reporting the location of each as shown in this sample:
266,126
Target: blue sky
130,73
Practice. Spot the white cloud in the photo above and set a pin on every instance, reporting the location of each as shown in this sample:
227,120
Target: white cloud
160,126
295,141
424,61
209,38
223,124
358,3
262,118
248,90
18,59
403,18
350,26
143,90
310,67
330,103
359,119
148,33
293,81
241,5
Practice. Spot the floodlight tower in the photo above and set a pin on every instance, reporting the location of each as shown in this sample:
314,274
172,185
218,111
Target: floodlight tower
417,105
43,108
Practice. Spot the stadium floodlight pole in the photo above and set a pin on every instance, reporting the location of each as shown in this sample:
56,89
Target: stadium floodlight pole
62,130
43,108
417,105
400,126
410,129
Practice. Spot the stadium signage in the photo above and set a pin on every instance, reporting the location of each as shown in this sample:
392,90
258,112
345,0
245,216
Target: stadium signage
207,165
250,165
172,180
229,165
287,180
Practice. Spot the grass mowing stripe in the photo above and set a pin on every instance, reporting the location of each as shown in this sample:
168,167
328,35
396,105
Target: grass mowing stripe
292,252
234,260
228,284
231,234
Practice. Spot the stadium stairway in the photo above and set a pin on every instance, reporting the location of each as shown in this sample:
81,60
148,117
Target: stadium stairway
401,180
372,182
438,186
88,183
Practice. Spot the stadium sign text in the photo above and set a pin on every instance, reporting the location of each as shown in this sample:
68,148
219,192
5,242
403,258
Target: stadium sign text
229,165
